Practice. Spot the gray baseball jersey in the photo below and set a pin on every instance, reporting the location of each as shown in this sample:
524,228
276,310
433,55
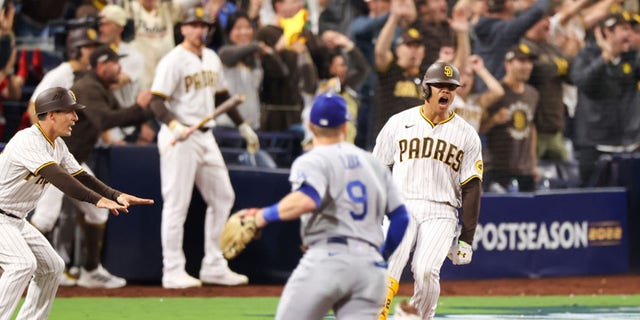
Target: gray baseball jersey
356,192
356,189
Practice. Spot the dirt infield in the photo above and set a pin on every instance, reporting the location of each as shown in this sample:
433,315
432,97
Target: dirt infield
595,285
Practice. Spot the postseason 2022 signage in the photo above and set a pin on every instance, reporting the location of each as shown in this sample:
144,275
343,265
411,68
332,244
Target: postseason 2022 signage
562,233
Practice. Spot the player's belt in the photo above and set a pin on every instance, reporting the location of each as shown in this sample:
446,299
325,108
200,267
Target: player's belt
339,240
204,129
9,214
345,241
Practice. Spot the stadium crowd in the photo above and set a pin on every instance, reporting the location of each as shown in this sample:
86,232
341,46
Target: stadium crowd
280,54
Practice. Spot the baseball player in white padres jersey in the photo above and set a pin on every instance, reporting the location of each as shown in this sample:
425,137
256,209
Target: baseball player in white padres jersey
80,43
341,194
189,82
437,163
30,160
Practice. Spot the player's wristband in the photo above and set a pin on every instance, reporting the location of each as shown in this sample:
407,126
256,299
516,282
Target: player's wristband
270,213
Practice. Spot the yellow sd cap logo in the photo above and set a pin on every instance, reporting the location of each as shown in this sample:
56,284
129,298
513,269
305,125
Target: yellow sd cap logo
413,33
73,95
92,34
448,71
199,12
523,47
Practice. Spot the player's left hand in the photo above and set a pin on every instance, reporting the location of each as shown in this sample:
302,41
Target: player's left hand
129,200
250,136
112,206
238,231
460,253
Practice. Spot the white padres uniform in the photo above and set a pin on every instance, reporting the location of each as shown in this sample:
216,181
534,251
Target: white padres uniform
189,83
343,269
430,164
25,254
49,206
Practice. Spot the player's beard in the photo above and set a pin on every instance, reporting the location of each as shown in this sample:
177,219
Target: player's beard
196,43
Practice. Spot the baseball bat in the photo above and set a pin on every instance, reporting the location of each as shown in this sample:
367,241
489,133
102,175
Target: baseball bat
229,104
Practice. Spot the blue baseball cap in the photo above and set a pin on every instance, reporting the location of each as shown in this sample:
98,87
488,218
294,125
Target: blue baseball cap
329,110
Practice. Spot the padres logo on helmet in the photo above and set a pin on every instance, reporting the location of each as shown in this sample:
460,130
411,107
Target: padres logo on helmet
439,72
448,72
442,72
55,99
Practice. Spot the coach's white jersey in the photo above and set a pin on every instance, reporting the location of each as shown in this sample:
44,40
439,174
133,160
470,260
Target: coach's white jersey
60,76
430,161
20,162
181,76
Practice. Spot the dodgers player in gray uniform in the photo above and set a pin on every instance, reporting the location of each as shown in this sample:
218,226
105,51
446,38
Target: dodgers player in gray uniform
33,158
341,194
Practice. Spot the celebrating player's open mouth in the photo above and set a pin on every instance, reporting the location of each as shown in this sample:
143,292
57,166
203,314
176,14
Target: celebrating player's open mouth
443,102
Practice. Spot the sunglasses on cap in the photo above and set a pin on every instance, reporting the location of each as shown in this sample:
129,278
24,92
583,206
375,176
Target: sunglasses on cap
449,86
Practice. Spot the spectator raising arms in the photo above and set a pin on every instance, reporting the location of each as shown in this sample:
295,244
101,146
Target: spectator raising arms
499,30
606,73
243,58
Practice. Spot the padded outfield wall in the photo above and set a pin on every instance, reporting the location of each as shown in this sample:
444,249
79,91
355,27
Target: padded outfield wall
557,233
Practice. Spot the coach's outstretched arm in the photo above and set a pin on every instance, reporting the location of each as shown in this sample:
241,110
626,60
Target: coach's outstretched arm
86,188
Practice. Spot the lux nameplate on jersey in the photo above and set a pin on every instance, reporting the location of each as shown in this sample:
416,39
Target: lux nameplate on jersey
199,80
523,236
427,147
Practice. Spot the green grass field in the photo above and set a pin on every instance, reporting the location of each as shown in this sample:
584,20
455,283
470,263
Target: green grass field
544,307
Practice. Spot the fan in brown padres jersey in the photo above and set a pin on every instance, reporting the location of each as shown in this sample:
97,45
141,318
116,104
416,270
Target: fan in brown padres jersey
437,163
510,128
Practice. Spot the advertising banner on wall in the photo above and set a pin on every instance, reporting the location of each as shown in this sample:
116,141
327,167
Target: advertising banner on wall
548,234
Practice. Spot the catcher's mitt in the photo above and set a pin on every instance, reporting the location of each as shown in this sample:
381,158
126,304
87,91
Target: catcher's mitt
239,230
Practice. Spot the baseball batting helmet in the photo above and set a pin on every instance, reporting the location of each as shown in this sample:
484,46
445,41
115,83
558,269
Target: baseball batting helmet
80,37
439,72
56,98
